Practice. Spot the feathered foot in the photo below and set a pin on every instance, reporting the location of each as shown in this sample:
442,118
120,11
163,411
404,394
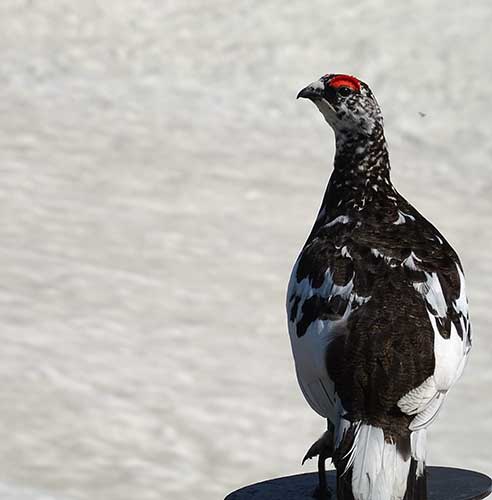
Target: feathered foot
323,449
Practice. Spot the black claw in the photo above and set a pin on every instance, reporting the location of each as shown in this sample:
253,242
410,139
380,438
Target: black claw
308,456
312,452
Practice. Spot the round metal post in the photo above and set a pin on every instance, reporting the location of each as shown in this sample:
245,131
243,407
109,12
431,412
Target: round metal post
443,483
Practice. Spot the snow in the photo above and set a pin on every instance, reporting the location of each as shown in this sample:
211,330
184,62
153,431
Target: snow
10,492
158,178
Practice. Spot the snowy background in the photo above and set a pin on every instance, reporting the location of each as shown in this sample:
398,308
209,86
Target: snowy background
158,179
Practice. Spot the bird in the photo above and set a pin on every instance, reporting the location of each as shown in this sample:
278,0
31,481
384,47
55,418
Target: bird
377,311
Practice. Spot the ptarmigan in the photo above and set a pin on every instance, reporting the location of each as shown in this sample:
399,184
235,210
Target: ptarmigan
377,311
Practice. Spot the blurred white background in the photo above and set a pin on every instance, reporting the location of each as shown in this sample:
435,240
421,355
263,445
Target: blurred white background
158,178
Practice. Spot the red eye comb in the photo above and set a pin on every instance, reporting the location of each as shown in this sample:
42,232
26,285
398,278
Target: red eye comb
345,81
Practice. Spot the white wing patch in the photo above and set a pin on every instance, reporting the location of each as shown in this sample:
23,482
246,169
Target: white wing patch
341,219
432,292
309,350
417,399
450,354
345,253
402,218
411,261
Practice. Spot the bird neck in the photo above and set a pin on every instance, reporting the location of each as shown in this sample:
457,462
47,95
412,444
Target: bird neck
361,174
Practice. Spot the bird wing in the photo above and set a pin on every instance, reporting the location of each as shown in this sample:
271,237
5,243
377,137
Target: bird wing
319,305
311,330
444,294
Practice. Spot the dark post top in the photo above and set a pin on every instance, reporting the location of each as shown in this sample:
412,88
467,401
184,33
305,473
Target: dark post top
443,483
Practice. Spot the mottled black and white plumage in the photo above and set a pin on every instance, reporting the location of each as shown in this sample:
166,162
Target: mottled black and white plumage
377,311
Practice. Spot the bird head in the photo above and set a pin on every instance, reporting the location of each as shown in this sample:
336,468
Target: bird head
347,104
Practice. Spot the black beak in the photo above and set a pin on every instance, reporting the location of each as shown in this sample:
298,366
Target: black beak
313,91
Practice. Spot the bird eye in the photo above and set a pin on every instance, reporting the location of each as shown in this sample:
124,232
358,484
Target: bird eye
344,91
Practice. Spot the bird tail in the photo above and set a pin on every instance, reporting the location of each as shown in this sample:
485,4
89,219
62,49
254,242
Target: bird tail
372,467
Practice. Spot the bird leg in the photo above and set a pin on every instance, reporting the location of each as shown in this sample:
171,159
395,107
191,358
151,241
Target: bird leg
322,492
323,448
